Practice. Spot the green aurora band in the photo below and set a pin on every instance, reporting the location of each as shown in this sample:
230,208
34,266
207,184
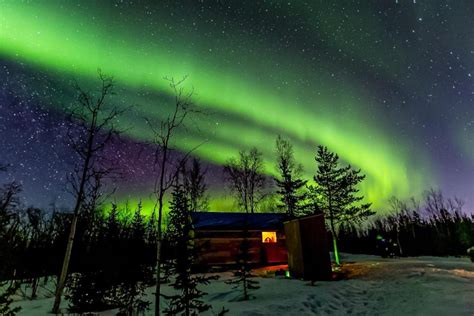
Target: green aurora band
253,92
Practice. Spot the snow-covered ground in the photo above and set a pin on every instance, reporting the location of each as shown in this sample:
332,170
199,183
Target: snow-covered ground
407,286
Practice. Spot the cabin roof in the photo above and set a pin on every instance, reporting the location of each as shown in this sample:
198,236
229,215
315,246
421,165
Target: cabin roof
231,220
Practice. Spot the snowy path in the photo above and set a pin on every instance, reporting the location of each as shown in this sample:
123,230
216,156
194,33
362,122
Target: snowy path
408,286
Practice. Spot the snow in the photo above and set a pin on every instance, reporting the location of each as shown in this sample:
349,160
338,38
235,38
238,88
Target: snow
376,286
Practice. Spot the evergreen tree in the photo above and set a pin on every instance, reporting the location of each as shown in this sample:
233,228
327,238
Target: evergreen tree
88,291
243,277
113,271
94,287
181,237
135,273
335,193
151,229
91,287
288,181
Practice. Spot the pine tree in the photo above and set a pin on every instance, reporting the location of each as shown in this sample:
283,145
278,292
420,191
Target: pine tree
335,193
181,237
88,292
151,229
95,286
288,181
135,273
243,277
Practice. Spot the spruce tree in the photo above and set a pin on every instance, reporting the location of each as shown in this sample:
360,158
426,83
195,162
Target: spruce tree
95,286
181,237
88,292
243,277
150,229
288,180
335,193
135,273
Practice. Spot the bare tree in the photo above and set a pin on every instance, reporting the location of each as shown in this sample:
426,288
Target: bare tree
438,206
245,178
9,198
9,216
402,210
195,186
163,134
92,127
9,223
9,192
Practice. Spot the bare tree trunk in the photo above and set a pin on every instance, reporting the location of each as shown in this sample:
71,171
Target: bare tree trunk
163,136
34,287
398,241
88,116
159,228
72,232
67,258
158,272
334,239
333,227
159,243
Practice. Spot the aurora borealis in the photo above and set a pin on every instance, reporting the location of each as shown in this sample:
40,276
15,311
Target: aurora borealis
387,86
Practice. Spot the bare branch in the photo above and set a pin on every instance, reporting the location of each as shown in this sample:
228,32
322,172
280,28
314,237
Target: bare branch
90,130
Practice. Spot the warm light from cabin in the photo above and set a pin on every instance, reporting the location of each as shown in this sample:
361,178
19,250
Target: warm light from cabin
269,237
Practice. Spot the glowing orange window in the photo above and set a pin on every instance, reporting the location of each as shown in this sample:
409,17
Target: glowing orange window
269,237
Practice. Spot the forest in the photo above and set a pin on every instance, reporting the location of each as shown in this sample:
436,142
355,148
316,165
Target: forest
103,256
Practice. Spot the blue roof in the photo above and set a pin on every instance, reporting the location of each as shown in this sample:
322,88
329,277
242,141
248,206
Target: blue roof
229,220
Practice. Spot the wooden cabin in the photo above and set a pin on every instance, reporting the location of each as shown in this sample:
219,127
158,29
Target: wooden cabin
218,237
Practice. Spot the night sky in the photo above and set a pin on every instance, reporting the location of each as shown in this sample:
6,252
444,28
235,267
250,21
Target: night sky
387,86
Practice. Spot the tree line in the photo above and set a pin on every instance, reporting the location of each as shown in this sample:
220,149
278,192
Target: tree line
436,226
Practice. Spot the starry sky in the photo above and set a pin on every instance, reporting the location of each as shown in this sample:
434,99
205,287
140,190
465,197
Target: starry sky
386,84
